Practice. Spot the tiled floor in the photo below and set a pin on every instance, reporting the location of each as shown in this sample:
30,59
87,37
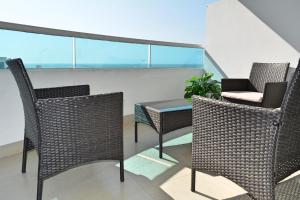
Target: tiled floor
146,177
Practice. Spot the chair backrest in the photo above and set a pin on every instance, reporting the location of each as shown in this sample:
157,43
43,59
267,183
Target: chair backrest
288,149
262,73
290,75
28,97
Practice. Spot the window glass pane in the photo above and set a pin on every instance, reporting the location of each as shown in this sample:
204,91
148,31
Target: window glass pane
106,54
211,66
47,51
167,56
36,50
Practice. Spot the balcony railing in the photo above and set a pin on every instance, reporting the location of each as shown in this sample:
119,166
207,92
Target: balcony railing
51,48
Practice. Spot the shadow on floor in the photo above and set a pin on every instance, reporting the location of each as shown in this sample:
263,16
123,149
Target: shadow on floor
177,153
286,190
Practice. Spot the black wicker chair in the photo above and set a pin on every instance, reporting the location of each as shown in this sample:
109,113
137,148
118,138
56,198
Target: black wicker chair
254,147
265,87
68,127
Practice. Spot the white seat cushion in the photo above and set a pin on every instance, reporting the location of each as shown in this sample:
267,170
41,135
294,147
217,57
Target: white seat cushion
244,95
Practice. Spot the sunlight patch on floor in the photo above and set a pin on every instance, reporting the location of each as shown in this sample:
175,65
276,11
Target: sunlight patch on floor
185,139
207,187
148,163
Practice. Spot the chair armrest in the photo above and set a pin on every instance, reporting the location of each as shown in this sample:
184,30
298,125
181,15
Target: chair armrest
235,85
273,94
68,91
76,130
236,141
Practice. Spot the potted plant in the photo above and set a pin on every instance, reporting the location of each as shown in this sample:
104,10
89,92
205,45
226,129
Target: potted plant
203,86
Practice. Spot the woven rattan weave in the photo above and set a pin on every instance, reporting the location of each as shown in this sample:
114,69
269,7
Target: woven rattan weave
68,127
266,78
254,147
163,116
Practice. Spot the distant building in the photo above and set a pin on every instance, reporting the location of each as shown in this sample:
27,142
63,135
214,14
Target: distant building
2,62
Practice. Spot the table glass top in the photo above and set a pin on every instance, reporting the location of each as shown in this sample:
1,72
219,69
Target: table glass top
169,105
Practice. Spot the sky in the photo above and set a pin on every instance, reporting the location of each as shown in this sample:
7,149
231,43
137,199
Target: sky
180,21
164,20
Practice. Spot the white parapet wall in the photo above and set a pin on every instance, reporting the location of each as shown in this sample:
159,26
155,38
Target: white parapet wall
236,38
138,85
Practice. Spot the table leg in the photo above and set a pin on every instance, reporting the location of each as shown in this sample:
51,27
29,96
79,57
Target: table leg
136,132
193,180
160,145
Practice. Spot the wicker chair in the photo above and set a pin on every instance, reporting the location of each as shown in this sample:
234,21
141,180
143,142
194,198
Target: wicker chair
254,147
68,127
265,87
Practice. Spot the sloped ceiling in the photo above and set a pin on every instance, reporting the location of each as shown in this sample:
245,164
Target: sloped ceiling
282,16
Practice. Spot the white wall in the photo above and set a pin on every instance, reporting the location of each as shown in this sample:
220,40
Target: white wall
138,85
281,15
236,38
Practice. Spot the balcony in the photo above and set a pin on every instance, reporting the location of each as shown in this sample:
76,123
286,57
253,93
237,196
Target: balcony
237,33
144,70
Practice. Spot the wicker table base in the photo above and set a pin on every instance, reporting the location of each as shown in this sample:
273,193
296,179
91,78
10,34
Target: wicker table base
163,116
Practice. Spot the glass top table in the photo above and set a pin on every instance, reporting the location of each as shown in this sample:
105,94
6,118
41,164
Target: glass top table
163,116
168,105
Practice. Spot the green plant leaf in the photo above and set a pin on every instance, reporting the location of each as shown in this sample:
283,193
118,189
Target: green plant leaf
202,85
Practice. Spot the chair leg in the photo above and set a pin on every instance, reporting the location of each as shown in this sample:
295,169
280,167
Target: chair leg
160,145
136,132
24,159
193,187
39,189
122,170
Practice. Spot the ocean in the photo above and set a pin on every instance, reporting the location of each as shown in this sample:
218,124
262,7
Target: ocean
61,66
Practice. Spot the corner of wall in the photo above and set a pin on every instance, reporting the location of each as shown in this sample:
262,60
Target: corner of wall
235,38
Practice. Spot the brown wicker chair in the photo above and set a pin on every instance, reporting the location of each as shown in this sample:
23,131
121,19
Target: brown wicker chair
254,147
265,87
68,127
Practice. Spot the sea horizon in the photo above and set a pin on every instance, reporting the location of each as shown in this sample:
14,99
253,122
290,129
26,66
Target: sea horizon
95,65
